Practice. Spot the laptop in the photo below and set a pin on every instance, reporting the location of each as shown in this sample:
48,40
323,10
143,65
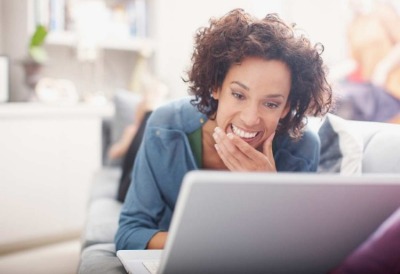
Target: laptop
231,222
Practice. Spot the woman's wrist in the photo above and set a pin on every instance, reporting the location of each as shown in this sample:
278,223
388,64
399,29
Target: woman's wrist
158,240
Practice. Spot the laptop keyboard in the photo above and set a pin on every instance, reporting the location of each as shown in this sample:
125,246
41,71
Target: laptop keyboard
152,266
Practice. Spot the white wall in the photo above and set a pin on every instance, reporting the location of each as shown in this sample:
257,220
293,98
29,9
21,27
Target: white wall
324,21
15,42
173,25
176,22
1,24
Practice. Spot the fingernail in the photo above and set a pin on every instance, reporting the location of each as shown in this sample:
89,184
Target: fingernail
217,130
230,135
215,136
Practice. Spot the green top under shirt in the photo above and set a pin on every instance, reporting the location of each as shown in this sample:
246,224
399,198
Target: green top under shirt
195,144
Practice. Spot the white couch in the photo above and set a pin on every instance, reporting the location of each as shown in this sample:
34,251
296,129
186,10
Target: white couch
347,147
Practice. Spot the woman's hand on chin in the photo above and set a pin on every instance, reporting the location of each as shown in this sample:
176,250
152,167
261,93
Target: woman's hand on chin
238,155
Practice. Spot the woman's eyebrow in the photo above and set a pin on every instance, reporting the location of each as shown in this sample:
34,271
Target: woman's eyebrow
247,88
275,96
240,84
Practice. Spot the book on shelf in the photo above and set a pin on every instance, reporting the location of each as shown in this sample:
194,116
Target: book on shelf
51,14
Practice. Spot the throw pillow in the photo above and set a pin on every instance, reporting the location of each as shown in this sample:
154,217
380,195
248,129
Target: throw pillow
341,147
382,151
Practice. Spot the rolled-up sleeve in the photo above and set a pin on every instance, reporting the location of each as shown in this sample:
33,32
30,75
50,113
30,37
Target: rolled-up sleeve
143,207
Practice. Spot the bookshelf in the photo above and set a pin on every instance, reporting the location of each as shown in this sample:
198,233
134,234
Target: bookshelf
97,53
108,24
17,23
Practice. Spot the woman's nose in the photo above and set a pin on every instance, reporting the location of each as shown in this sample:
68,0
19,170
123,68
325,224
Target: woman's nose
250,115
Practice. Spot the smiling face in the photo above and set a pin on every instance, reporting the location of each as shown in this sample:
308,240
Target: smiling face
253,98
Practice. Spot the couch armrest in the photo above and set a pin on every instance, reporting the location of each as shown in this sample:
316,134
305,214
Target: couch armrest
100,259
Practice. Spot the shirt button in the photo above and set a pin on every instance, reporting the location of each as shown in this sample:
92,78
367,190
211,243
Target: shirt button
158,133
201,120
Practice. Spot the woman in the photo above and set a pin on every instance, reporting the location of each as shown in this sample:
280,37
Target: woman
253,82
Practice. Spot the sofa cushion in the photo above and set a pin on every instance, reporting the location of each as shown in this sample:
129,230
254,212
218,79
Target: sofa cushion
341,147
382,152
102,222
105,183
100,259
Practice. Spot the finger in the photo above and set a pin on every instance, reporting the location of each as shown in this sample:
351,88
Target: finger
239,155
227,160
247,151
235,146
267,150
244,156
226,149
225,142
252,158
267,146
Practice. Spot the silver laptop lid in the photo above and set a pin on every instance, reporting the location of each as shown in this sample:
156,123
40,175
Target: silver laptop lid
227,222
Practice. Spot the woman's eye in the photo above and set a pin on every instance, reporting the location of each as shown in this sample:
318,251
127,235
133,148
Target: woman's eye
271,105
238,95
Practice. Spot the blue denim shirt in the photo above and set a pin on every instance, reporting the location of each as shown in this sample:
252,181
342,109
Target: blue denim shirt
165,156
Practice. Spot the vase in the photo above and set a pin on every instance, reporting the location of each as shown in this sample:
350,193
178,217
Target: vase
32,75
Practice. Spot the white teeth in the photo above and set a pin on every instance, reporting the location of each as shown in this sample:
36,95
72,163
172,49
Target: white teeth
242,133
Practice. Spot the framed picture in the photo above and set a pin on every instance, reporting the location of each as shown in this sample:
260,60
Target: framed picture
4,79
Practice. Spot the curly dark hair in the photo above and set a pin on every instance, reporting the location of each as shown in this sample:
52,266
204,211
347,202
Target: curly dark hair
237,35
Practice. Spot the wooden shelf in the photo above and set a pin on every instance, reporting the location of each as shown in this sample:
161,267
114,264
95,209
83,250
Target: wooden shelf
53,111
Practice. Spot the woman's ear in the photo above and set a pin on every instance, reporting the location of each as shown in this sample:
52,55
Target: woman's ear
215,93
